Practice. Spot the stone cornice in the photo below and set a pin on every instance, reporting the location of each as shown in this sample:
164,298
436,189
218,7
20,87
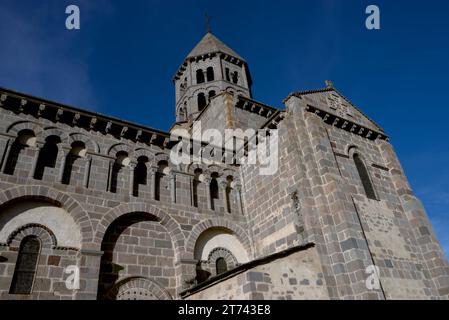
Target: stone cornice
331,88
88,120
346,124
253,106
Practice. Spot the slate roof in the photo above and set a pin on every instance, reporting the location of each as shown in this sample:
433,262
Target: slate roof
211,43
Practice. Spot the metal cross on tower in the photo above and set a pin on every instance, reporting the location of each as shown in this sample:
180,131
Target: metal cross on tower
208,18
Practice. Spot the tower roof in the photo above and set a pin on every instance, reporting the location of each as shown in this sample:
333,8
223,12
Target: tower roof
211,43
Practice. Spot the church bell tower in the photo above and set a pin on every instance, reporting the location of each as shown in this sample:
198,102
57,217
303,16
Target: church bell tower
210,68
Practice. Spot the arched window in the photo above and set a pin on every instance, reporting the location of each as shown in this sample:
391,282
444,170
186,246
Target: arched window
199,76
140,174
26,265
78,151
364,177
221,266
196,182
211,94
227,74
120,161
47,156
183,112
160,174
213,187
210,74
25,138
235,77
201,101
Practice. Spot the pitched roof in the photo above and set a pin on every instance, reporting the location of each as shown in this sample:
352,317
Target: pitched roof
209,44
332,88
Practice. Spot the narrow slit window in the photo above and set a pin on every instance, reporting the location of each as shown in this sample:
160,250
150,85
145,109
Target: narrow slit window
364,177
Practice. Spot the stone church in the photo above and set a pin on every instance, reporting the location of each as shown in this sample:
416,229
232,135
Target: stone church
92,207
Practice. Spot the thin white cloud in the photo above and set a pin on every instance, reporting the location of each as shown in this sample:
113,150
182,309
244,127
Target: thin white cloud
38,60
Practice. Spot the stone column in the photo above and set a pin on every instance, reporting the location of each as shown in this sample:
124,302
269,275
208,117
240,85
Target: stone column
208,195
223,186
131,172
87,167
129,177
172,178
238,191
152,172
55,174
65,153
35,152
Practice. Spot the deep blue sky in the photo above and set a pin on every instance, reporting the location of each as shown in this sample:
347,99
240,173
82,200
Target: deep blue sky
122,60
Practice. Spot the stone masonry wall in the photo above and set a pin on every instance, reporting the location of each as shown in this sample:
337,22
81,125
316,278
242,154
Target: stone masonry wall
144,232
275,220
167,234
351,236
295,277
